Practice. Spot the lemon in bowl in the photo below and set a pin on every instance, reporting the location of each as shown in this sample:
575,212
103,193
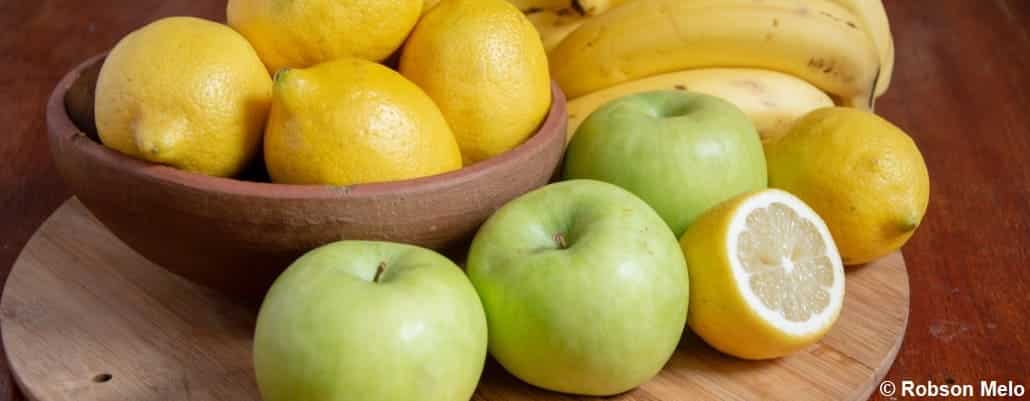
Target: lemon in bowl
303,33
184,92
352,121
484,65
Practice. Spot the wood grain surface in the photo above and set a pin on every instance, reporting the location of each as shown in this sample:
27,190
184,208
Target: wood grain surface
960,89
87,319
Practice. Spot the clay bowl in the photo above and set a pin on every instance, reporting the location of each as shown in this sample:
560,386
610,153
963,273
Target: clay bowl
236,236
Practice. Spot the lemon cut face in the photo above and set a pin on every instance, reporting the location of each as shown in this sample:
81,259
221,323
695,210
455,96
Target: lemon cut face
786,263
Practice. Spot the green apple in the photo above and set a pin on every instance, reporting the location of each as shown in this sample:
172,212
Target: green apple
370,321
584,286
681,152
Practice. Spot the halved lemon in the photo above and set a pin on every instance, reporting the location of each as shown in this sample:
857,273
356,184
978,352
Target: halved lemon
766,279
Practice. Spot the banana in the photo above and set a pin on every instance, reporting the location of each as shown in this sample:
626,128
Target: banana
772,100
595,7
555,25
816,40
528,6
874,18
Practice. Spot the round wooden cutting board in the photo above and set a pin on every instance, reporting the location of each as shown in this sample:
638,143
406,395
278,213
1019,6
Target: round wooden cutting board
85,318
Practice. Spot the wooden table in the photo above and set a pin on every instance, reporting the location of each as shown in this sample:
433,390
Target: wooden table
961,88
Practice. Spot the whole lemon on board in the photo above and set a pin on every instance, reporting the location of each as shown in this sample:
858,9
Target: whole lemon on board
862,174
185,92
483,63
352,121
302,33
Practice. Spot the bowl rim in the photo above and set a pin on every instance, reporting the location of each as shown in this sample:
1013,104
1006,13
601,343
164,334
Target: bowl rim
61,130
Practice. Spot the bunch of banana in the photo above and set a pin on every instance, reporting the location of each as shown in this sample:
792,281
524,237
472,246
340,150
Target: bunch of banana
529,6
788,57
773,100
588,8
555,20
555,25
873,17
595,7
817,40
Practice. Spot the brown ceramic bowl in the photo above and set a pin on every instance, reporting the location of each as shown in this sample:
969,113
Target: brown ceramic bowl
236,236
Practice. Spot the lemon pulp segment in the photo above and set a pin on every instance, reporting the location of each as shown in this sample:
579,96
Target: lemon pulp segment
783,261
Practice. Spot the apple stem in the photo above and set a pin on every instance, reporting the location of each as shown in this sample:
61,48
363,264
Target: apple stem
560,240
379,272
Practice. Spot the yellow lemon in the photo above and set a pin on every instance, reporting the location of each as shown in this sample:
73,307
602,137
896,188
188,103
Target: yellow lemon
766,279
185,92
861,173
352,121
302,33
484,65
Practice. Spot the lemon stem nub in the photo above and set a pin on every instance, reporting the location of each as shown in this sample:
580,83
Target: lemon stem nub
280,75
379,272
908,224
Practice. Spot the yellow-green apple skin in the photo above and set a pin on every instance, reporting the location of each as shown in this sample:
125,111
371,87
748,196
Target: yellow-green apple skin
584,286
328,331
681,152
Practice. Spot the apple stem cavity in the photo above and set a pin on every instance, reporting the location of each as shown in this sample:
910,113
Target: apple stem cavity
560,240
379,272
